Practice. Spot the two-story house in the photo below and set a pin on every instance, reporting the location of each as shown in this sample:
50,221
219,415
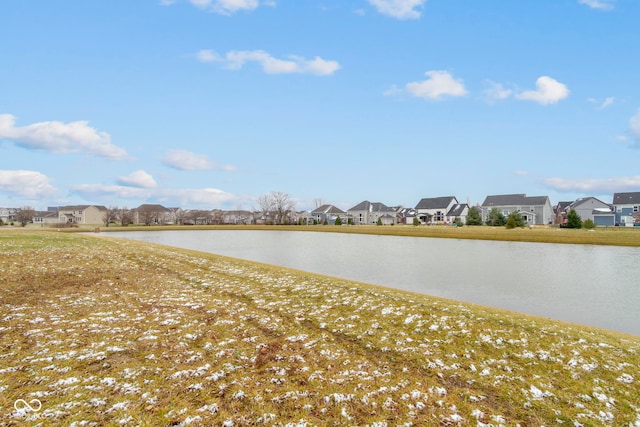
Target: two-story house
434,210
367,212
627,208
594,209
81,214
329,213
534,210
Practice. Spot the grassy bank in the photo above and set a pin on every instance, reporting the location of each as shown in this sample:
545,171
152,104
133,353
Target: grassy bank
616,236
110,332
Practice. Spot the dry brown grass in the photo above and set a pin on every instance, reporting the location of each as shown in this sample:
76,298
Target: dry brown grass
110,332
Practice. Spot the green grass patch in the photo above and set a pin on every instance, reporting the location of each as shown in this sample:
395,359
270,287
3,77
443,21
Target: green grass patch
105,331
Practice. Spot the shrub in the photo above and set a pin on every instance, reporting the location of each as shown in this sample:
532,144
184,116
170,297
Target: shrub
338,221
588,224
416,221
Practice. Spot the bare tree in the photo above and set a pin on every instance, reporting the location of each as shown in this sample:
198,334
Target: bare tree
283,206
318,201
25,215
126,216
111,215
265,205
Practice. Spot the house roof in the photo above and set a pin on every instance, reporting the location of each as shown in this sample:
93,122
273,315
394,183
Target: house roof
152,208
584,200
371,207
561,206
435,202
626,198
80,207
514,200
457,209
327,209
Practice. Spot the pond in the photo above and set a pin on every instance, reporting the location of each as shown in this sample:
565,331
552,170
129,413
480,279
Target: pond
590,285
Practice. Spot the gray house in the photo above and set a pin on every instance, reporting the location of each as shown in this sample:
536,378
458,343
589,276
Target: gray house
367,212
591,208
329,213
534,210
626,207
458,211
434,210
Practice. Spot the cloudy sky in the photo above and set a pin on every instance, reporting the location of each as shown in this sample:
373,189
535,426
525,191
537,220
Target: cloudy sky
212,103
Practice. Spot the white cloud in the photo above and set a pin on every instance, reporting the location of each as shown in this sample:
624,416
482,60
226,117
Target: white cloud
188,161
594,186
400,9
110,192
207,55
599,4
235,60
634,128
607,102
27,184
549,91
184,197
496,92
139,179
439,84
520,173
224,7
57,137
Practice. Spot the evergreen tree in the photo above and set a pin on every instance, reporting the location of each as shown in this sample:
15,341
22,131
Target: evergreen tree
496,218
338,221
474,217
379,222
515,220
573,219
416,221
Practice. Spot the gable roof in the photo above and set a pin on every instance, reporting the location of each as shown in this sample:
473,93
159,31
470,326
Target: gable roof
626,198
152,208
457,209
327,209
371,207
584,200
435,202
515,200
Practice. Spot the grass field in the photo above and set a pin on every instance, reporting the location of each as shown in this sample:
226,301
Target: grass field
104,331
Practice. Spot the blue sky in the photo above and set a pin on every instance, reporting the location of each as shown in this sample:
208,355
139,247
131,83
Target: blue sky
212,103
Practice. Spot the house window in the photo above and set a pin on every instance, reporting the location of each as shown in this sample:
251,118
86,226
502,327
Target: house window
439,216
636,208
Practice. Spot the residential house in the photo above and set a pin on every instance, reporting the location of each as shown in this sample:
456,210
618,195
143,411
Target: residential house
328,213
237,217
591,208
151,214
627,208
8,215
405,215
434,210
535,210
559,212
367,212
458,211
81,214
48,217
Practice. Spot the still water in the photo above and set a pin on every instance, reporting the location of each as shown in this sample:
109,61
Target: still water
591,285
